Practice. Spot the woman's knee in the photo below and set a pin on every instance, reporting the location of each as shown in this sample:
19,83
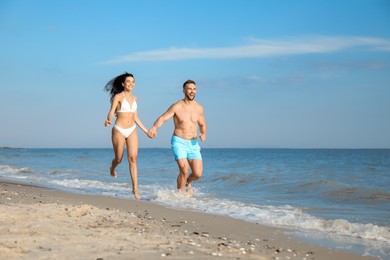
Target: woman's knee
132,158
117,160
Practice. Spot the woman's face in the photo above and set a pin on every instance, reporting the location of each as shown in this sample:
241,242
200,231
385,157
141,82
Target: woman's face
129,83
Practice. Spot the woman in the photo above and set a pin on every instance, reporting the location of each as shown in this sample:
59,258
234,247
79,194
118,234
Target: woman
124,105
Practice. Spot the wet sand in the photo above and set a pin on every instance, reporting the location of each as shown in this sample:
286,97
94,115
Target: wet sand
41,223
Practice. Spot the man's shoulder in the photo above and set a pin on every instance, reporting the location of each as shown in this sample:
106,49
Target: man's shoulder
178,103
199,105
175,106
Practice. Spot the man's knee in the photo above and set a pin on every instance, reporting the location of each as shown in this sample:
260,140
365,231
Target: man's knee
183,165
197,169
196,174
183,170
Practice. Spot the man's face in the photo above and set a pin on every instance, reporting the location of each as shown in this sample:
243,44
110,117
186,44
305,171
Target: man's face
190,91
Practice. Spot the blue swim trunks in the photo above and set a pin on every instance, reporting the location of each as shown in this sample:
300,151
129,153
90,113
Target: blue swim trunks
183,148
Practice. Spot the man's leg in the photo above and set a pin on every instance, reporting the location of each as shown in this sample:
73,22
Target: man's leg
183,173
197,169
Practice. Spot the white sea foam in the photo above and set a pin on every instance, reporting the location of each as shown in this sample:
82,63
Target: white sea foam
277,216
94,186
7,169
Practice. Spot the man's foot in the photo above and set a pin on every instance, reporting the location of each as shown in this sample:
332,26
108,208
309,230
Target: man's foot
189,189
136,195
113,173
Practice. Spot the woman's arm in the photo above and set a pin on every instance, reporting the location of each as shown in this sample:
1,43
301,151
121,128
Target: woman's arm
139,123
111,113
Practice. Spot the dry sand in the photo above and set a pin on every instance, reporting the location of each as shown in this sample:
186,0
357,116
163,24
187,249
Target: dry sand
40,223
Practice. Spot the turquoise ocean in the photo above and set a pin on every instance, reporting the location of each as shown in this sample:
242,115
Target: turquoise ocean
339,198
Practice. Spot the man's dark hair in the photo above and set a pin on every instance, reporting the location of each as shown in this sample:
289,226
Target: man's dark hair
188,82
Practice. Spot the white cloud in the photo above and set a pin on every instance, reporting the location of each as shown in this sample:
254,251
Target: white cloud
252,81
260,48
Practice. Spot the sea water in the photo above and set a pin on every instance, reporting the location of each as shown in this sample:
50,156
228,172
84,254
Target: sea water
338,198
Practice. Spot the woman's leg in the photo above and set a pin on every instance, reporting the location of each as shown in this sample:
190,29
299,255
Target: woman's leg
132,153
118,143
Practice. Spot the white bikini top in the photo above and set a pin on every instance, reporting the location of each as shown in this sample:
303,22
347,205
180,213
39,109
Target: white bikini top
125,107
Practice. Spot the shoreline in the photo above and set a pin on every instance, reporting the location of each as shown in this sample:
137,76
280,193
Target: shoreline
46,223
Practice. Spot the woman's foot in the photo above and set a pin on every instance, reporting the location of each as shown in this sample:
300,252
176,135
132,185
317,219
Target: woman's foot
136,195
113,173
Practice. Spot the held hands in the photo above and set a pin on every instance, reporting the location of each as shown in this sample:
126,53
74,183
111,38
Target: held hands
152,133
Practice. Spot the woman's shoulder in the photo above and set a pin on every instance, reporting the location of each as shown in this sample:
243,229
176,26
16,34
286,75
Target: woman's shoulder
117,96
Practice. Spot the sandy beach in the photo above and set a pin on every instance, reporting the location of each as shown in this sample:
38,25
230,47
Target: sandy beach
42,223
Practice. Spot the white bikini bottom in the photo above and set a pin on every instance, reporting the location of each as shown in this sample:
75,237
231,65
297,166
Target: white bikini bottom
126,132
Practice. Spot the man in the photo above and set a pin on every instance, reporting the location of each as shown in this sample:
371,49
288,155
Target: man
187,116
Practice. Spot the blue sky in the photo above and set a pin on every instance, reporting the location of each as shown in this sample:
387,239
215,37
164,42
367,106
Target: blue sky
270,74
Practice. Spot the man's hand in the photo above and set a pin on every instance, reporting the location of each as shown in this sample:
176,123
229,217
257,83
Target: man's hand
202,137
152,133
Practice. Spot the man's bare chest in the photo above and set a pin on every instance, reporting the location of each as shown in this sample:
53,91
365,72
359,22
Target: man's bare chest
187,115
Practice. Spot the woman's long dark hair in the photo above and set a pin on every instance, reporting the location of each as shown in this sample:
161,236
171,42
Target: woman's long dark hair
114,86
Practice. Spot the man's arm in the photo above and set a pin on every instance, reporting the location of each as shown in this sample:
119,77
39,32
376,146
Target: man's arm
202,125
161,120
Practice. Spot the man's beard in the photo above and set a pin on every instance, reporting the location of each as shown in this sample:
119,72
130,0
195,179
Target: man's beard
190,98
